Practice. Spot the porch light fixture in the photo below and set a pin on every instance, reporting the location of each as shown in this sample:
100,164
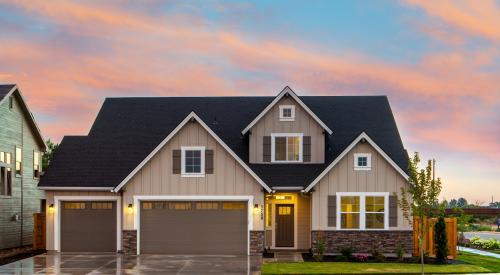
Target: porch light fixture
130,208
256,206
51,208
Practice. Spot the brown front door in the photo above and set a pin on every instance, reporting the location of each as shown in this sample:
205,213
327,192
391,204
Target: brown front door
284,225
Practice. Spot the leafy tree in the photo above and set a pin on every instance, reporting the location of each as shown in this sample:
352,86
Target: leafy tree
462,203
47,156
495,204
453,203
420,198
462,221
441,241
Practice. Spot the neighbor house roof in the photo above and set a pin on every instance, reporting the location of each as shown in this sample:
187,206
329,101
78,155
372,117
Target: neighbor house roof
6,90
127,130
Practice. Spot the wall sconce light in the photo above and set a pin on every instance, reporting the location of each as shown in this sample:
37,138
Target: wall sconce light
256,206
130,208
51,207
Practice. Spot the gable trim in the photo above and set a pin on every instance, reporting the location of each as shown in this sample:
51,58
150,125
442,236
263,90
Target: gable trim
347,150
286,90
28,113
192,115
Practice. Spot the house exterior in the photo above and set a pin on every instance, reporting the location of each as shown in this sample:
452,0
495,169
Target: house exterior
230,175
21,148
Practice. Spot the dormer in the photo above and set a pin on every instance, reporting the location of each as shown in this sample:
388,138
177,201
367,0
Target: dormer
287,132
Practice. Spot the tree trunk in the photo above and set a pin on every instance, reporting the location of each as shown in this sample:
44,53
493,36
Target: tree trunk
421,234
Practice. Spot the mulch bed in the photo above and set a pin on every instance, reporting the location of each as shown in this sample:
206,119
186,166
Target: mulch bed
18,253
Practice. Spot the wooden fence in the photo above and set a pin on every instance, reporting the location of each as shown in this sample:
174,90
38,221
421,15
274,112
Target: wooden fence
451,233
39,231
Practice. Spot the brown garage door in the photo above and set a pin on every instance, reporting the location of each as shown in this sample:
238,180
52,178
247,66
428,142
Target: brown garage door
88,226
193,227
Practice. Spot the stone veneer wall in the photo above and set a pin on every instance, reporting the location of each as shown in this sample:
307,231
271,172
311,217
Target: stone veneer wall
256,242
364,241
129,241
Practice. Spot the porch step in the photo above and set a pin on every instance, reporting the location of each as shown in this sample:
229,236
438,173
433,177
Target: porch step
286,257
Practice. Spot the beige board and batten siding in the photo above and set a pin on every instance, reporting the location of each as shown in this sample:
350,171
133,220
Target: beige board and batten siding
156,177
50,212
303,222
343,178
270,123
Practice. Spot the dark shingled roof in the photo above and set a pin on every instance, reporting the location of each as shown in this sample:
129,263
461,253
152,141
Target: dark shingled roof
5,89
126,130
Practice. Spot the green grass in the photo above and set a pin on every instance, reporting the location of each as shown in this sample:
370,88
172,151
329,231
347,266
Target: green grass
471,264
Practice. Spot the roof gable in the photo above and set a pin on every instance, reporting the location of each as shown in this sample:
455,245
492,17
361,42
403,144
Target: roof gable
286,91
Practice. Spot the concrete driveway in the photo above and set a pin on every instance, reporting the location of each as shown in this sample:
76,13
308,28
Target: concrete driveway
72,263
483,235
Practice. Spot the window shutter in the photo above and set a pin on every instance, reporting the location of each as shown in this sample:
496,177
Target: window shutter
266,157
209,161
332,210
393,211
176,161
306,149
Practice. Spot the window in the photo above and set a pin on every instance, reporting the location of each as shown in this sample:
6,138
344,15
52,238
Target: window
363,211
233,205
269,214
286,147
7,158
2,157
362,161
11,103
179,206
19,161
193,161
287,112
36,164
207,205
102,205
5,181
74,205
284,210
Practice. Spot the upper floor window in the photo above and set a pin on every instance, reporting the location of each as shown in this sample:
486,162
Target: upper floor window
286,147
287,112
36,164
19,161
193,161
362,161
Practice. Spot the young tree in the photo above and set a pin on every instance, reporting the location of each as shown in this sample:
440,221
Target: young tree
462,203
420,198
441,241
47,156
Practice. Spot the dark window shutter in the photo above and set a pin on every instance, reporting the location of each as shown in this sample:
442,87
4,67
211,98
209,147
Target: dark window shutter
332,210
306,149
209,161
393,211
266,157
176,161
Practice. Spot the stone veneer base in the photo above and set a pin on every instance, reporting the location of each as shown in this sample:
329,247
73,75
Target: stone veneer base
256,242
129,242
364,241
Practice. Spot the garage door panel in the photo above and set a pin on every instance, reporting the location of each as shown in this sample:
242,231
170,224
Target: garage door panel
88,227
193,231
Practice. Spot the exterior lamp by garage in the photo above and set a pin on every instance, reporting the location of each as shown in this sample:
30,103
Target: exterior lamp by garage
130,208
51,208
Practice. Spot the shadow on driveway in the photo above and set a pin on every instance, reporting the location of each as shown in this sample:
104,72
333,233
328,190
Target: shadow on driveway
112,263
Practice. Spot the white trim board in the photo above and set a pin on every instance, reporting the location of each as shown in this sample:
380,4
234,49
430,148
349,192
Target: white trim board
139,198
57,216
287,90
192,115
347,150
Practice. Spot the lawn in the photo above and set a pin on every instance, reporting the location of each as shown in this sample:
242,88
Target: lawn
471,264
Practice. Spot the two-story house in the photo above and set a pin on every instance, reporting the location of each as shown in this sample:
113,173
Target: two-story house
230,175
21,147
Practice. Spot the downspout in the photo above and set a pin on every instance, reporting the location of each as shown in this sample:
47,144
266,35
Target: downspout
22,182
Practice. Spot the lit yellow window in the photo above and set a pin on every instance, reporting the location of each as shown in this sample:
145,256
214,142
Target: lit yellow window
233,205
102,205
374,212
269,215
284,210
74,205
207,205
179,205
349,212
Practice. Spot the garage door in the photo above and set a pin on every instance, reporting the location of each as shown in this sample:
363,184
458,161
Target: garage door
193,227
88,226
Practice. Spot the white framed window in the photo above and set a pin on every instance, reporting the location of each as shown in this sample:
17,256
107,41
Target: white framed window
192,161
287,112
36,164
286,147
362,210
362,161
19,161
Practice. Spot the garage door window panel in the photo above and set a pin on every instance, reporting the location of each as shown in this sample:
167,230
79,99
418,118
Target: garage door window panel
207,206
179,206
233,206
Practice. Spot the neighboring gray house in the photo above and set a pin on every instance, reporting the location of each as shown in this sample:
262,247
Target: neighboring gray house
21,148
230,175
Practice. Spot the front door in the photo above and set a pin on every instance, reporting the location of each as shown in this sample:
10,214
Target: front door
284,225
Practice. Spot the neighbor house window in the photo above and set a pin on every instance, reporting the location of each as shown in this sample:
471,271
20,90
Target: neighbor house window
193,161
19,161
8,158
363,211
2,156
286,147
36,164
5,181
362,161
287,112
11,102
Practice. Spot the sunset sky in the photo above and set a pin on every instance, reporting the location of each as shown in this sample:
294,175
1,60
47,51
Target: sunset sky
437,61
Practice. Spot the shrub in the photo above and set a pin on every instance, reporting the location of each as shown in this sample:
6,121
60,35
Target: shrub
341,258
377,256
485,244
441,241
319,250
400,252
347,252
361,257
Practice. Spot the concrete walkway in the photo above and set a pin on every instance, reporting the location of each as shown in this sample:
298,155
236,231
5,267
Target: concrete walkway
479,252
285,257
